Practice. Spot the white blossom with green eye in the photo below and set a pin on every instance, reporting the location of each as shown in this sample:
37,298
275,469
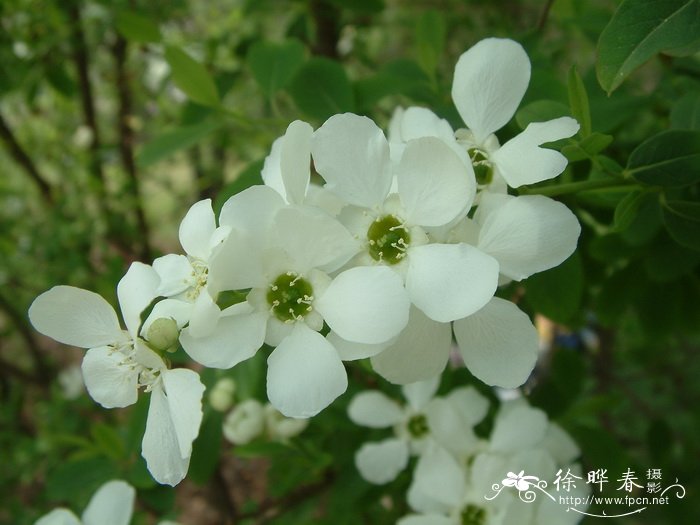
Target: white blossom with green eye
433,187
120,362
425,418
490,80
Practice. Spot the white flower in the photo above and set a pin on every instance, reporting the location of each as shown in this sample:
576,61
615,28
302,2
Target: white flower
112,504
245,422
285,255
185,277
489,82
281,428
118,362
448,421
71,381
434,188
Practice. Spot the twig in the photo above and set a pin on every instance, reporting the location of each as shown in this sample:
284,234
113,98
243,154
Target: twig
81,59
42,371
126,140
326,17
544,15
20,156
227,503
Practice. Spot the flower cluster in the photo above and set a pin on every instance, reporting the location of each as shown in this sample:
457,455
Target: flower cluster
405,243
456,472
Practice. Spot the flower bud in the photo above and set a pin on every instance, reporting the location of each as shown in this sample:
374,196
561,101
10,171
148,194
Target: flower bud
221,396
163,334
245,422
281,428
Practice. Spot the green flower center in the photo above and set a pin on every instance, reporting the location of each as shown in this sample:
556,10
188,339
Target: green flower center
418,426
290,296
388,239
483,169
473,515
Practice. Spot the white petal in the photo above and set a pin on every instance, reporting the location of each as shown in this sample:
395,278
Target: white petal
295,158
112,504
59,517
420,352
366,304
450,281
489,83
470,404
499,344
313,239
350,351
529,234
418,122
135,291
175,272
74,316
375,410
108,379
304,374
435,185
419,393
160,447
197,228
237,264
438,483
235,339
560,445
518,427
449,429
184,392
272,170
352,155
381,462
204,315
521,161
251,211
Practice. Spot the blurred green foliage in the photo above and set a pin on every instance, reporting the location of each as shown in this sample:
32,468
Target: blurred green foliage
115,116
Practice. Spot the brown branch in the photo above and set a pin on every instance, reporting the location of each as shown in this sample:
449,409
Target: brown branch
20,157
544,16
22,325
327,20
82,61
126,140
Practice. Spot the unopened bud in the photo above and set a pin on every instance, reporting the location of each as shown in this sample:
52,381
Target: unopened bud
245,422
163,334
280,427
221,395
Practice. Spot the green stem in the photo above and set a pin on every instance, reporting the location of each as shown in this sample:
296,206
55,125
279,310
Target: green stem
576,187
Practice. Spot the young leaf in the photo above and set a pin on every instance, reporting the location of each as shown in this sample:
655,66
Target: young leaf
671,158
578,100
641,28
685,113
321,88
430,40
171,141
682,220
626,210
557,293
541,111
274,65
192,77
137,28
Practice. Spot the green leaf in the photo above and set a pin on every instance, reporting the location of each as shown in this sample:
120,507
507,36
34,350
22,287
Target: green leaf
587,148
671,158
685,113
137,28
682,220
639,29
192,77
175,140
557,293
667,260
431,30
205,449
321,88
400,77
107,439
626,210
541,111
274,65
578,101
